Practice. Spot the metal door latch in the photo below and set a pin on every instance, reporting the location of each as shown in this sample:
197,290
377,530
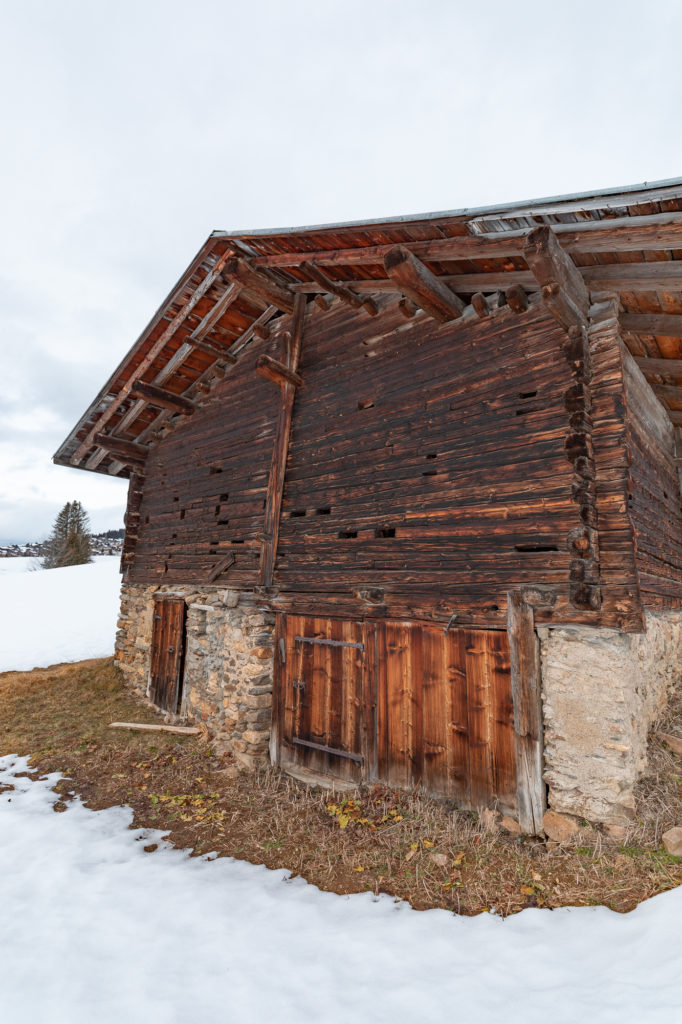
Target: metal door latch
299,684
283,650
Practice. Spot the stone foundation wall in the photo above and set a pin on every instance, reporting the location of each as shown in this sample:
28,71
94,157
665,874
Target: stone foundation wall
228,663
602,690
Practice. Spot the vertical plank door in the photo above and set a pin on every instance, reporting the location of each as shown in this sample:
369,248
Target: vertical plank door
320,700
444,712
167,654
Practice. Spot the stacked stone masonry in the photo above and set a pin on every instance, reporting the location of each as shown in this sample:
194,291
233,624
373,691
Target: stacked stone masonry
602,690
228,663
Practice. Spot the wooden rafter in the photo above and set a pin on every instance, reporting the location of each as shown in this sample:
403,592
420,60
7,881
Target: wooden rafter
138,373
239,269
338,288
421,286
563,289
273,502
517,300
213,316
125,451
163,399
213,350
664,367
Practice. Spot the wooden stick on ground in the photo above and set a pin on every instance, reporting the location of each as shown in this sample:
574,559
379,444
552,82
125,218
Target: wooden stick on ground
184,730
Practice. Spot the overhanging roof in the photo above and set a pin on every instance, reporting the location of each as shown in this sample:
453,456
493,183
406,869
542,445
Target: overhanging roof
624,240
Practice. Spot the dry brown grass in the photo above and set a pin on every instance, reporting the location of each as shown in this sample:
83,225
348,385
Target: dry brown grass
405,844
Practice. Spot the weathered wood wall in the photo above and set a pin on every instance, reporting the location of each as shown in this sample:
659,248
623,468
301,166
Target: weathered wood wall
654,500
205,485
432,468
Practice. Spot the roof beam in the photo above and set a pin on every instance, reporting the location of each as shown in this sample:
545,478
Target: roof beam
627,234
180,317
338,288
421,286
213,316
125,451
163,399
563,289
668,392
668,325
664,367
239,269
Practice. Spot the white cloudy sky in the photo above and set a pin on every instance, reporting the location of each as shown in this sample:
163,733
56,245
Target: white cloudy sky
130,130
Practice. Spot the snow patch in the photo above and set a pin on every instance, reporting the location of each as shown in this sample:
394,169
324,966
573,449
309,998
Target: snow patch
97,929
55,615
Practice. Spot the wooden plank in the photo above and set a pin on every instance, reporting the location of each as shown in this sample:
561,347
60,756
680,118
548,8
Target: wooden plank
421,285
663,367
668,325
524,651
563,289
478,719
281,450
180,730
127,451
502,734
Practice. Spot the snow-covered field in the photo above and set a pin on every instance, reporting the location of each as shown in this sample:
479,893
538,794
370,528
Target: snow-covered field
54,615
93,928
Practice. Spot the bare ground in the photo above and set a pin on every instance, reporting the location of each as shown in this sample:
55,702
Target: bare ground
407,845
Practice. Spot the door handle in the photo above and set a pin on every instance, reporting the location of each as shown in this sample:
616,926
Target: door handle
299,684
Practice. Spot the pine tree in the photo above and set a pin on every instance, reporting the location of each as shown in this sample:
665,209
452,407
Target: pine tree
70,541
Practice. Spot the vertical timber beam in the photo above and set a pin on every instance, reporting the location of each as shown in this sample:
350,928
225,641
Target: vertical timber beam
273,502
526,685
131,520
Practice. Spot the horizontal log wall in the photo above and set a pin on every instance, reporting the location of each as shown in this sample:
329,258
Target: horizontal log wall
654,499
206,483
428,472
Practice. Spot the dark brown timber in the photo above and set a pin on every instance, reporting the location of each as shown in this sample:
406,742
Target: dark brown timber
273,501
563,289
237,269
526,696
277,372
163,399
339,289
126,451
419,284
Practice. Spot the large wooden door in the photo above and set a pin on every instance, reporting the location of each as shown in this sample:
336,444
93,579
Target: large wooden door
445,719
322,717
398,702
167,655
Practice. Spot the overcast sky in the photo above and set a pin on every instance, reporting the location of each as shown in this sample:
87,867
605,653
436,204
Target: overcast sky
130,130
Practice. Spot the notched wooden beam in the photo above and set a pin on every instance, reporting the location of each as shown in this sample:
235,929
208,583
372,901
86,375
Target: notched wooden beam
126,451
277,372
337,288
213,350
421,286
516,297
239,269
563,290
220,568
480,304
163,399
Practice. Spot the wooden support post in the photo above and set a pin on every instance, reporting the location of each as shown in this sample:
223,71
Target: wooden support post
563,290
337,288
126,451
526,684
273,502
277,372
258,283
163,399
419,284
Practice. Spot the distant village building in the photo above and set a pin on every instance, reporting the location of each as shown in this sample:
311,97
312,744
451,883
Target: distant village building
404,497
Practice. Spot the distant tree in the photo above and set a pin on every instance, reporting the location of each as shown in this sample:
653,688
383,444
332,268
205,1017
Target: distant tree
70,541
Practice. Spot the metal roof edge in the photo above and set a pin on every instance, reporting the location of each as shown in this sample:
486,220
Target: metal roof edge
465,211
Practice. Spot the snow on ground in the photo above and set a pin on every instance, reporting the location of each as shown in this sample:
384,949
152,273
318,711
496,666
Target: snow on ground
54,615
95,929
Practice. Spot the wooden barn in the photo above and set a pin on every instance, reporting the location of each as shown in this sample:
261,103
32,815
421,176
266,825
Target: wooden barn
404,498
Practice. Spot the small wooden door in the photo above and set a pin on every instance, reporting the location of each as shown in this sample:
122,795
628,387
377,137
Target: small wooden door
167,655
320,696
